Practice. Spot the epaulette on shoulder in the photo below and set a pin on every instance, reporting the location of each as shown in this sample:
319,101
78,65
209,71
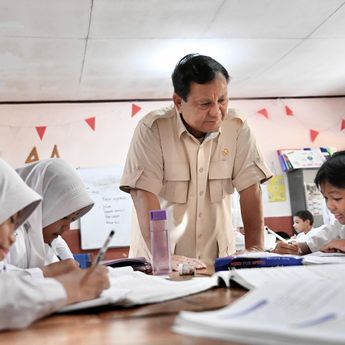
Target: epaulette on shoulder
233,114
166,112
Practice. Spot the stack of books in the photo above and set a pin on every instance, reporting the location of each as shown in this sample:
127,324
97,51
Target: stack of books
303,158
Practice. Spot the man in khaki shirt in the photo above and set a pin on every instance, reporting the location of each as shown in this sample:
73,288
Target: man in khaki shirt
187,159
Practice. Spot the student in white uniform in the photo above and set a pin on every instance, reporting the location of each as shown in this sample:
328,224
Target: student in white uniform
330,178
24,300
65,199
303,224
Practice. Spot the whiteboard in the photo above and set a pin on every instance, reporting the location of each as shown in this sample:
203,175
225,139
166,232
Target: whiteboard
112,209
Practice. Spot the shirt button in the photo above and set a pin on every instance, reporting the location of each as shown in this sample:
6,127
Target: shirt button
201,170
200,214
200,235
201,193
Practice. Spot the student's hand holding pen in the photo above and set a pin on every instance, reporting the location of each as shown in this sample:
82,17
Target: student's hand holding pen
95,279
287,248
82,285
60,267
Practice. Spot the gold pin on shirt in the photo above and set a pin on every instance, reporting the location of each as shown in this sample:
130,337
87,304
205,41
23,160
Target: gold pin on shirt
226,152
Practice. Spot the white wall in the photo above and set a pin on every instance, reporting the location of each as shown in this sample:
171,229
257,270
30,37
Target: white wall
108,144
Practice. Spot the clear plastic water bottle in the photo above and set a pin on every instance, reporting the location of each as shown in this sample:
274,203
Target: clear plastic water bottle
160,243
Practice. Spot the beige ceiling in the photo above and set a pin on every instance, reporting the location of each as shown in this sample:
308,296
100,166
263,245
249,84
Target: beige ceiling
126,49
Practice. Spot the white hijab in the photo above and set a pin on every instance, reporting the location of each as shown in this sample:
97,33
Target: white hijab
15,195
63,193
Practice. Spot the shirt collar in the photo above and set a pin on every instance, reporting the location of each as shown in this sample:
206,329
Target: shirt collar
181,128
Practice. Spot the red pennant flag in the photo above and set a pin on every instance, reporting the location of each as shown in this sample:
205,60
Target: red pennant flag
263,112
342,125
40,130
135,109
288,111
91,121
313,135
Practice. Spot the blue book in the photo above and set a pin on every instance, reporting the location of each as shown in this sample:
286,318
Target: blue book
231,262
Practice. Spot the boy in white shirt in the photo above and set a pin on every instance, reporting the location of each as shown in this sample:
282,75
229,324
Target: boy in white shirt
330,179
303,224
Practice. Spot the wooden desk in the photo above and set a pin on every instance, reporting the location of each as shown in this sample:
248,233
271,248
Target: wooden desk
147,325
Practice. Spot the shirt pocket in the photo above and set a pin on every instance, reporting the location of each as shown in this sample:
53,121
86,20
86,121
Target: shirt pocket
176,183
220,180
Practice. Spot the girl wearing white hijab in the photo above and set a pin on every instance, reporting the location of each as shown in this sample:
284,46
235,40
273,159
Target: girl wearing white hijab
11,205
27,299
65,199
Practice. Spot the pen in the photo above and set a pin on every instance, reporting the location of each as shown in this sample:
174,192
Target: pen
104,248
276,235
58,256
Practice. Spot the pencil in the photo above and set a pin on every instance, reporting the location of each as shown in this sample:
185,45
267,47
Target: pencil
56,254
276,235
104,248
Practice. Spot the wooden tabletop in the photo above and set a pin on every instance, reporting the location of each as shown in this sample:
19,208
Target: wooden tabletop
148,324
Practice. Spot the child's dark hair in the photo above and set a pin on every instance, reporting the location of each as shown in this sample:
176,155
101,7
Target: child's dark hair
332,171
305,215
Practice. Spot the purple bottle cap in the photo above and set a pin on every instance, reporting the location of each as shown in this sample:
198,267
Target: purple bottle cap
158,215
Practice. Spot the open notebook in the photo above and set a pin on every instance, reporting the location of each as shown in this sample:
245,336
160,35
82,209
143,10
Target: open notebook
251,278
324,258
302,310
130,288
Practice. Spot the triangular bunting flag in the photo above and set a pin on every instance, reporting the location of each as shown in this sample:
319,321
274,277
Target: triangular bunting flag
342,125
263,112
41,130
135,109
288,111
91,121
313,135
33,156
55,152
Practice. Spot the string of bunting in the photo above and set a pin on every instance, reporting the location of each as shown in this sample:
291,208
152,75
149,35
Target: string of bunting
90,121
263,112
313,133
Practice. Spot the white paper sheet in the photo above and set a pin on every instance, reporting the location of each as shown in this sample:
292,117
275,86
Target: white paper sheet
112,209
302,311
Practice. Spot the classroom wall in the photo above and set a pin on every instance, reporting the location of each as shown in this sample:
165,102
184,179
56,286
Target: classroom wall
69,127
